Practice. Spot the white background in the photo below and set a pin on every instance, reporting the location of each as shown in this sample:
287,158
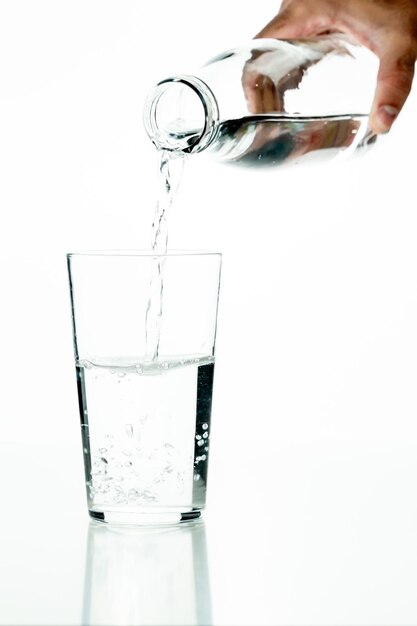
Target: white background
315,398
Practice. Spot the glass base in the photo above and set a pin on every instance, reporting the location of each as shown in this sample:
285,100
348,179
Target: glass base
144,518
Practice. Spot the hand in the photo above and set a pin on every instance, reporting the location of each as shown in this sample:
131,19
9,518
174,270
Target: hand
387,27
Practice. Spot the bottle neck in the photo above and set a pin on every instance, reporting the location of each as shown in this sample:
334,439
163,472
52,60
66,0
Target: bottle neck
181,115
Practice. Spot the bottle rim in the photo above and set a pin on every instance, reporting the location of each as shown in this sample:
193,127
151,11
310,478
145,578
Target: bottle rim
200,141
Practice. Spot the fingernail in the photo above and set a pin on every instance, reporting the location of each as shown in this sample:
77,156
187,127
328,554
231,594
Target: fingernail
387,115
392,112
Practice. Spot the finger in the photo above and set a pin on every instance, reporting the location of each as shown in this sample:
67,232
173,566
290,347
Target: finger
283,26
269,96
395,77
253,91
297,22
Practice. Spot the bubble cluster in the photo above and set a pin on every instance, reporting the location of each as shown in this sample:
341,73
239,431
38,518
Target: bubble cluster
123,473
202,448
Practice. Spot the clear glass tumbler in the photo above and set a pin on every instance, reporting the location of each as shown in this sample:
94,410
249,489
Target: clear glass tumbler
144,329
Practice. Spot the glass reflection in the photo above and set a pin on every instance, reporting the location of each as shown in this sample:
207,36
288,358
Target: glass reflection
147,576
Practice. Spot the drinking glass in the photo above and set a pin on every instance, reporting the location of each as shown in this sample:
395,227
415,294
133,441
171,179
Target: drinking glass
144,328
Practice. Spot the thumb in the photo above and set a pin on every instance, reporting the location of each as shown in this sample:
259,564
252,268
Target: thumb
395,77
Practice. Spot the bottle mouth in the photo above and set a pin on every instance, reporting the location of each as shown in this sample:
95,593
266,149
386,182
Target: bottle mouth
181,114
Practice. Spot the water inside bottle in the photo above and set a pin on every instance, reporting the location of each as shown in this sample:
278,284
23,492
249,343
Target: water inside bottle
268,140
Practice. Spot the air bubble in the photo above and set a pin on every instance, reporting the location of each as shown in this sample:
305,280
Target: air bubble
198,437
133,494
200,443
205,426
205,435
148,496
120,498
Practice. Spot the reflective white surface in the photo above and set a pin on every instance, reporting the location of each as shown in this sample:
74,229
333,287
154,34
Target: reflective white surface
147,576
327,537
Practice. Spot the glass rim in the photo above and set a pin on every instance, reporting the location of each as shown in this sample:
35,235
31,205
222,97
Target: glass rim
142,253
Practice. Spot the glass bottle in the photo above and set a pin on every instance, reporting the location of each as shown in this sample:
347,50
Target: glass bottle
270,102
